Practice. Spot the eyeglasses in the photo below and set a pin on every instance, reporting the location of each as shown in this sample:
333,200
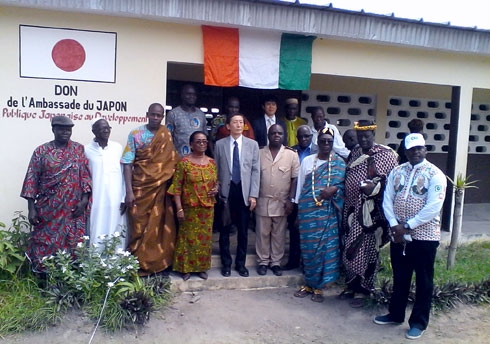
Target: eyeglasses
324,142
104,128
305,136
201,142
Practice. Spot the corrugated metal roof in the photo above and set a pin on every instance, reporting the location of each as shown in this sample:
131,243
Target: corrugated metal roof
322,21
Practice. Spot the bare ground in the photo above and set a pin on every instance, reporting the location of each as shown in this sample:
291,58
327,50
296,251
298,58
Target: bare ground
268,316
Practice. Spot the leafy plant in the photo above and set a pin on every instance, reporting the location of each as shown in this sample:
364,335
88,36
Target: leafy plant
460,185
13,243
102,279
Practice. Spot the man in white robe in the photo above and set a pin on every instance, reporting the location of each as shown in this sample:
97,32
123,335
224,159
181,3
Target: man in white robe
107,215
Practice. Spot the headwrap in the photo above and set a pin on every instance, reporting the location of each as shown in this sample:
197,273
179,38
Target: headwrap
371,126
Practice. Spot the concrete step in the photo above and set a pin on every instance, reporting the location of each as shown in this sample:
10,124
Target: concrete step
216,281
251,260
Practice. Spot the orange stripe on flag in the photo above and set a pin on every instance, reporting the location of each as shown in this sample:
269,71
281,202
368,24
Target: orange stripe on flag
220,56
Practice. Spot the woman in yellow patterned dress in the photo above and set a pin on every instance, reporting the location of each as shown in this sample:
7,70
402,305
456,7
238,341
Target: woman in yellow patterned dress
194,188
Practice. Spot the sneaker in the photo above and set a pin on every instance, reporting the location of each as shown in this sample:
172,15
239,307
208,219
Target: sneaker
385,320
414,333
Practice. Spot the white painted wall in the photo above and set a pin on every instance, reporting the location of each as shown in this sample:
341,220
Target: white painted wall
145,47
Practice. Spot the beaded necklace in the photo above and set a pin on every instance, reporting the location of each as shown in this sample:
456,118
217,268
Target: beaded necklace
319,203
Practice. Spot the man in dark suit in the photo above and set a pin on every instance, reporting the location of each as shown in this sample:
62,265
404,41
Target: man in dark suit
262,124
238,163
304,148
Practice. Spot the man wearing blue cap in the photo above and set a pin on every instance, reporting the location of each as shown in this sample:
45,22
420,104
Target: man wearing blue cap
413,199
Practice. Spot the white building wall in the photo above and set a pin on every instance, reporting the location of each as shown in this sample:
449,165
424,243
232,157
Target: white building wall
145,47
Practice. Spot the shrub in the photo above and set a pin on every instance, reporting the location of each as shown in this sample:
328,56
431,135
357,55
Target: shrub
103,280
13,243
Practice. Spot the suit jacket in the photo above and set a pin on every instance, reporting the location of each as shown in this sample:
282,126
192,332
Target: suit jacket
249,167
260,130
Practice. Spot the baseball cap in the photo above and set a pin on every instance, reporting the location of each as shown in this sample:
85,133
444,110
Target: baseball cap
414,140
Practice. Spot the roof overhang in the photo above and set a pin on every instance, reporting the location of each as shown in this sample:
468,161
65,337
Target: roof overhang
321,21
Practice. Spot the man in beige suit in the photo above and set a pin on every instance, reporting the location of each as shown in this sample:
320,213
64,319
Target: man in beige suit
279,168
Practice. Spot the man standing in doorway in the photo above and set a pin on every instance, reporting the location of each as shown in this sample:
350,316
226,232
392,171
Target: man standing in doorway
279,168
237,159
417,215
149,162
185,119
220,129
262,124
292,121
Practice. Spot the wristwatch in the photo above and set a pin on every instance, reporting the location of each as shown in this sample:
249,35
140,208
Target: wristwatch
292,200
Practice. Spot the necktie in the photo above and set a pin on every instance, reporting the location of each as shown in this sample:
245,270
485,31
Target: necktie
269,123
235,171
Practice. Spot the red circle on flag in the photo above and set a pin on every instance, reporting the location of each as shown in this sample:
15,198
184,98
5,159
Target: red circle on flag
68,55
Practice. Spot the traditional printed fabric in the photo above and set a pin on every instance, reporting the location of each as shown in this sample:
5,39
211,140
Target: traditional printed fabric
319,226
56,179
291,129
193,182
412,189
108,191
182,124
360,243
152,225
138,138
194,239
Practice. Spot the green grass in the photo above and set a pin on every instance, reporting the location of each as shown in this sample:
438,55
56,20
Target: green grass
23,307
467,282
472,264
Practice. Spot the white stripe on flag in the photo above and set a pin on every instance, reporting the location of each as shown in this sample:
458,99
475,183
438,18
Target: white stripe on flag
259,58
36,60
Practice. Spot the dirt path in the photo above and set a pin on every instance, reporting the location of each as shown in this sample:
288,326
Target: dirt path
268,316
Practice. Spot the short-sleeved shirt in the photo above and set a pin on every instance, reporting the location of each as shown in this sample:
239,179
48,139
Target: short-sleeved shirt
275,180
182,124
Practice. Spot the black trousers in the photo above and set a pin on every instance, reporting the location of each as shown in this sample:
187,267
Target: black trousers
294,245
240,214
419,258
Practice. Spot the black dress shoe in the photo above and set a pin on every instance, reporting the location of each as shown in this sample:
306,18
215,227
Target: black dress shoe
242,271
290,266
276,270
262,270
226,271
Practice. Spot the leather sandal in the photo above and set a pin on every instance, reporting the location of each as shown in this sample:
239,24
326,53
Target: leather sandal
303,291
346,294
359,301
317,295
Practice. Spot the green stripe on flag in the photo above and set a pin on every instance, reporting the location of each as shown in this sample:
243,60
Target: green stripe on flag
295,62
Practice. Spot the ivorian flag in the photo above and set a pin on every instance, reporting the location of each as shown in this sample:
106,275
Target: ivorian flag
67,54
256,59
